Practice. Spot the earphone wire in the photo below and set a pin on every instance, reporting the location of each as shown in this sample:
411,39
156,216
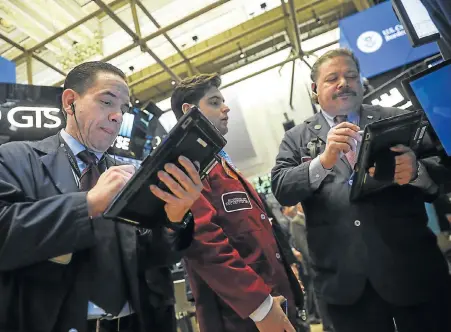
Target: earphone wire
78,126
83,140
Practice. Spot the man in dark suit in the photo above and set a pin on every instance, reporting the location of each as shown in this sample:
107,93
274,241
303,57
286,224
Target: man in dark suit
375,260
62,266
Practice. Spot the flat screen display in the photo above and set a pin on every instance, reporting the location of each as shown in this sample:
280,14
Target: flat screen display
420,19
417,22
434,95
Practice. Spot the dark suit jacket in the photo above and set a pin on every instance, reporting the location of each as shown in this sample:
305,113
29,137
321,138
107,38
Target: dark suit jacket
392,246
43,215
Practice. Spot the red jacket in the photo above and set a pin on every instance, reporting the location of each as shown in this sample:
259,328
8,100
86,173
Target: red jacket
233,262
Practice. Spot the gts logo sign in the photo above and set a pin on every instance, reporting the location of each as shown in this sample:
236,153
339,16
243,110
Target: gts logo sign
33,117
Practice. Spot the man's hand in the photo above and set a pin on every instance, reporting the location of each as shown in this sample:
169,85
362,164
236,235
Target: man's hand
297,255
108,185
275,320
340,139
294,268
406,165
184,189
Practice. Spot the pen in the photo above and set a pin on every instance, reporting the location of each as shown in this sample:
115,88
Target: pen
360,132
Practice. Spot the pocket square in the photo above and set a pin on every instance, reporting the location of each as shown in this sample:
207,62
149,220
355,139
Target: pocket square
63,259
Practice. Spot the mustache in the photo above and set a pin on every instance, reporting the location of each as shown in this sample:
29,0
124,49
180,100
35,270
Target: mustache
344,92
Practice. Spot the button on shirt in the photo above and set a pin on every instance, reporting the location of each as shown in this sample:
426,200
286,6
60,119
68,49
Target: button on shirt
76,147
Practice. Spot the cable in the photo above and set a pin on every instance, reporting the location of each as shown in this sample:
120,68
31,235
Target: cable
72,106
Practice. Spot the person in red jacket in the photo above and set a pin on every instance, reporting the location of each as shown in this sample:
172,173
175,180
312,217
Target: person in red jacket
236,270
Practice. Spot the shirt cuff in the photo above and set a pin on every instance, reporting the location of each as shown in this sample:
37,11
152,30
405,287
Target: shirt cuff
317,173
262,311
423,180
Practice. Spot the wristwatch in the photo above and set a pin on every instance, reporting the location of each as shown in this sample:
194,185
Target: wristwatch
418,173
177,226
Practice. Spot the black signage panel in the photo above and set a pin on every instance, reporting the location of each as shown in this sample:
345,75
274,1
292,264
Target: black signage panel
29,112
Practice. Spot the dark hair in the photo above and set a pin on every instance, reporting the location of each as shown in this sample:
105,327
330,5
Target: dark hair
327,56
191,90
83,76
330,55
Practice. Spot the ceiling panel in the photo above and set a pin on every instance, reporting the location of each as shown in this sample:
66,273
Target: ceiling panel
221,33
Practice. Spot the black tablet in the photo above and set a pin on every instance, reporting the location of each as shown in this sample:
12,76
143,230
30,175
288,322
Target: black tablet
378,137
194,137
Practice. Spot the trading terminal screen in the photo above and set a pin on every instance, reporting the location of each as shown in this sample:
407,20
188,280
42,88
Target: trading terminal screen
419,18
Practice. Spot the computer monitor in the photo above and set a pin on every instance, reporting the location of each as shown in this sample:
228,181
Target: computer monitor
416,21
140,132
429,90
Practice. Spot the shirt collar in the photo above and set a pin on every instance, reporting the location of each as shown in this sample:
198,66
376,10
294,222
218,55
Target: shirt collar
353,117
328,117
75,146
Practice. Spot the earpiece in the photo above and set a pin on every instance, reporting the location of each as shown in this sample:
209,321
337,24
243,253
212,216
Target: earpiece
72,106
314,96
314,89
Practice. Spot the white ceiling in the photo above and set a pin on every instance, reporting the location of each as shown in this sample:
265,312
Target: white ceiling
37,20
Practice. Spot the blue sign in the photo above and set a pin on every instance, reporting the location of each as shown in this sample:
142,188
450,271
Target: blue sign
7,71
379,40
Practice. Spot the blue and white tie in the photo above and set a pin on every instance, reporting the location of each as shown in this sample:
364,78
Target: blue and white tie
227,158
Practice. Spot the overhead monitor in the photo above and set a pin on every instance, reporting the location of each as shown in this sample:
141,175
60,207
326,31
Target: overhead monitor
429,90
140,132
416,21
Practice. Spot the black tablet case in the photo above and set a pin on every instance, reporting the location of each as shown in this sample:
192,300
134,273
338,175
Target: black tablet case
194,137
378,137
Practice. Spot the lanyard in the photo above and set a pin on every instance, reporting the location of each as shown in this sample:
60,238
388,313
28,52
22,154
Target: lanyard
73,161
71,157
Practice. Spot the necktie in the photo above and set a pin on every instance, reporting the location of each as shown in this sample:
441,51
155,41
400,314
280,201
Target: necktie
351,156
227,164
107,282
91,173
227,158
